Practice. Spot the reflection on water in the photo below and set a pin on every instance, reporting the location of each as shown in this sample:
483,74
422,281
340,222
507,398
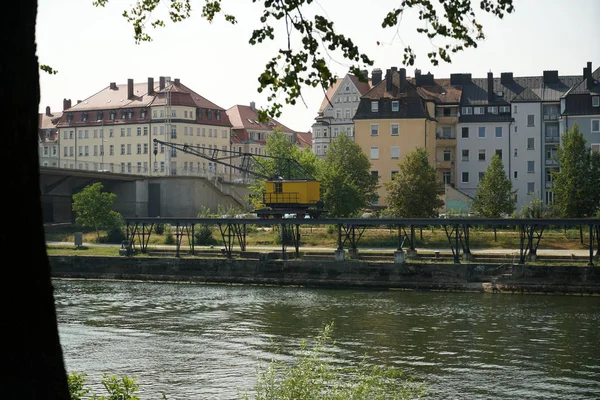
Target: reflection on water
205,342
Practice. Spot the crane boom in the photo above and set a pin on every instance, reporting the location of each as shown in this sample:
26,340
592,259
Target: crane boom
286,168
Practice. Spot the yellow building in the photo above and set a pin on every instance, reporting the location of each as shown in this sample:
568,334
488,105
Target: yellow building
113,130
398,115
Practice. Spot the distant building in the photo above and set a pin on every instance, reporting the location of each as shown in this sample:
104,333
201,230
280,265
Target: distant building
337,110
48,138
113,130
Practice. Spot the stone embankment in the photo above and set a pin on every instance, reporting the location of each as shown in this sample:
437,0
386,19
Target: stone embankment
439,275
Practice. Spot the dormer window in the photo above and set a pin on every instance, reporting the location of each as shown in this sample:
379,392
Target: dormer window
69,117
208,115
130,114
595,101
123,114
199,113
218,115
143,113
99,116
84,117
112,115
493,110
395,105
375,106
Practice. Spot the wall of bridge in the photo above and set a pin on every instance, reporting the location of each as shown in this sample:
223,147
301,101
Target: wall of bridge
177,196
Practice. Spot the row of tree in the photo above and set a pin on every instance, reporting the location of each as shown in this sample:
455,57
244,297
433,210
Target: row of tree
348,187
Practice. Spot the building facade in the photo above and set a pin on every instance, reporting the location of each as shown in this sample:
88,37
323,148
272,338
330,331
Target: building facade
48,138
335,116
114,130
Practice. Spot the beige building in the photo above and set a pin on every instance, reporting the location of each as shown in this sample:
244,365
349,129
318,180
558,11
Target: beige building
399,115
48,138
114,130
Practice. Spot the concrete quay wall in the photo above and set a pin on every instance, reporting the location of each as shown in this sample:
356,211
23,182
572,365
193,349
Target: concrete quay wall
472,277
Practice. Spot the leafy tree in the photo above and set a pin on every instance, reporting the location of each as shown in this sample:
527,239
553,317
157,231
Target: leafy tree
93,208
575,186
495,196
533,209
315,376
413,191
32,341
347,185
454,24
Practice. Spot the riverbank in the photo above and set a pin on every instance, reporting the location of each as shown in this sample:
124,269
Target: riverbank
500,277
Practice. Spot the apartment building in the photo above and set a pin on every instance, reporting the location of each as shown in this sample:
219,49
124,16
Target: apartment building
335,116
393,119
248,134
48,138
114,130
581,105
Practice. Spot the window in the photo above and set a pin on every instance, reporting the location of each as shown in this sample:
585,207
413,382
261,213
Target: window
530,187
338,113
481,132
122,149
447,155
347,112
139,148
139,131
395,105
515,110
595,101
145,131
480,176
374,153
530,120
465,132
374,106
504,109
129,149
465,155
395,151
530,166
446,132
516,152
84,117
530,143
394,129
493,110
499,152
549,197
498,132
481,155
465,177
393,173
122,132
128,131
595,147
467,110
479,110
374,130
515,174
596,125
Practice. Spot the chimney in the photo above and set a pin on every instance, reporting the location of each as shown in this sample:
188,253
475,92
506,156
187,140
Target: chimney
150,86
66,104
388,80
161,83
48,111
253,106
402,80
365,74
177,81
417,72
590,78
506,78
130,88
78,101
113,86
424,80
490,86
376,76
460,79
550,77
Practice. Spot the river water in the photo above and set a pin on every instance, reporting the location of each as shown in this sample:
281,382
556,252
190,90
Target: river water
207,341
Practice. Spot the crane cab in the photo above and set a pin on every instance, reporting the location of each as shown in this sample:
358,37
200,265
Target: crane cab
298,196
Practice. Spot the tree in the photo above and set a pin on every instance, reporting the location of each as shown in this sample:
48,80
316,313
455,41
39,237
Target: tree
575,186
347,185
453,24
495,196
31,346
414,191
93,208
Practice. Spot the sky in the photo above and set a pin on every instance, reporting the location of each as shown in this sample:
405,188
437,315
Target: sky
92,46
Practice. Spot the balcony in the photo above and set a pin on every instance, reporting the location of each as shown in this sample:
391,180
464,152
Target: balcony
550,117
445,164
552,139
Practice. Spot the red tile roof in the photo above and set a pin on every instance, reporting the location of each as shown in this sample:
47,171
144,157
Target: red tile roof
246,117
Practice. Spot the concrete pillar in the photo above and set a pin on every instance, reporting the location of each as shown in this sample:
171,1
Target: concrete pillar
411,253
340,255
399,257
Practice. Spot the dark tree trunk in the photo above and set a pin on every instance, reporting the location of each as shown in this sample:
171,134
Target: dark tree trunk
33,366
